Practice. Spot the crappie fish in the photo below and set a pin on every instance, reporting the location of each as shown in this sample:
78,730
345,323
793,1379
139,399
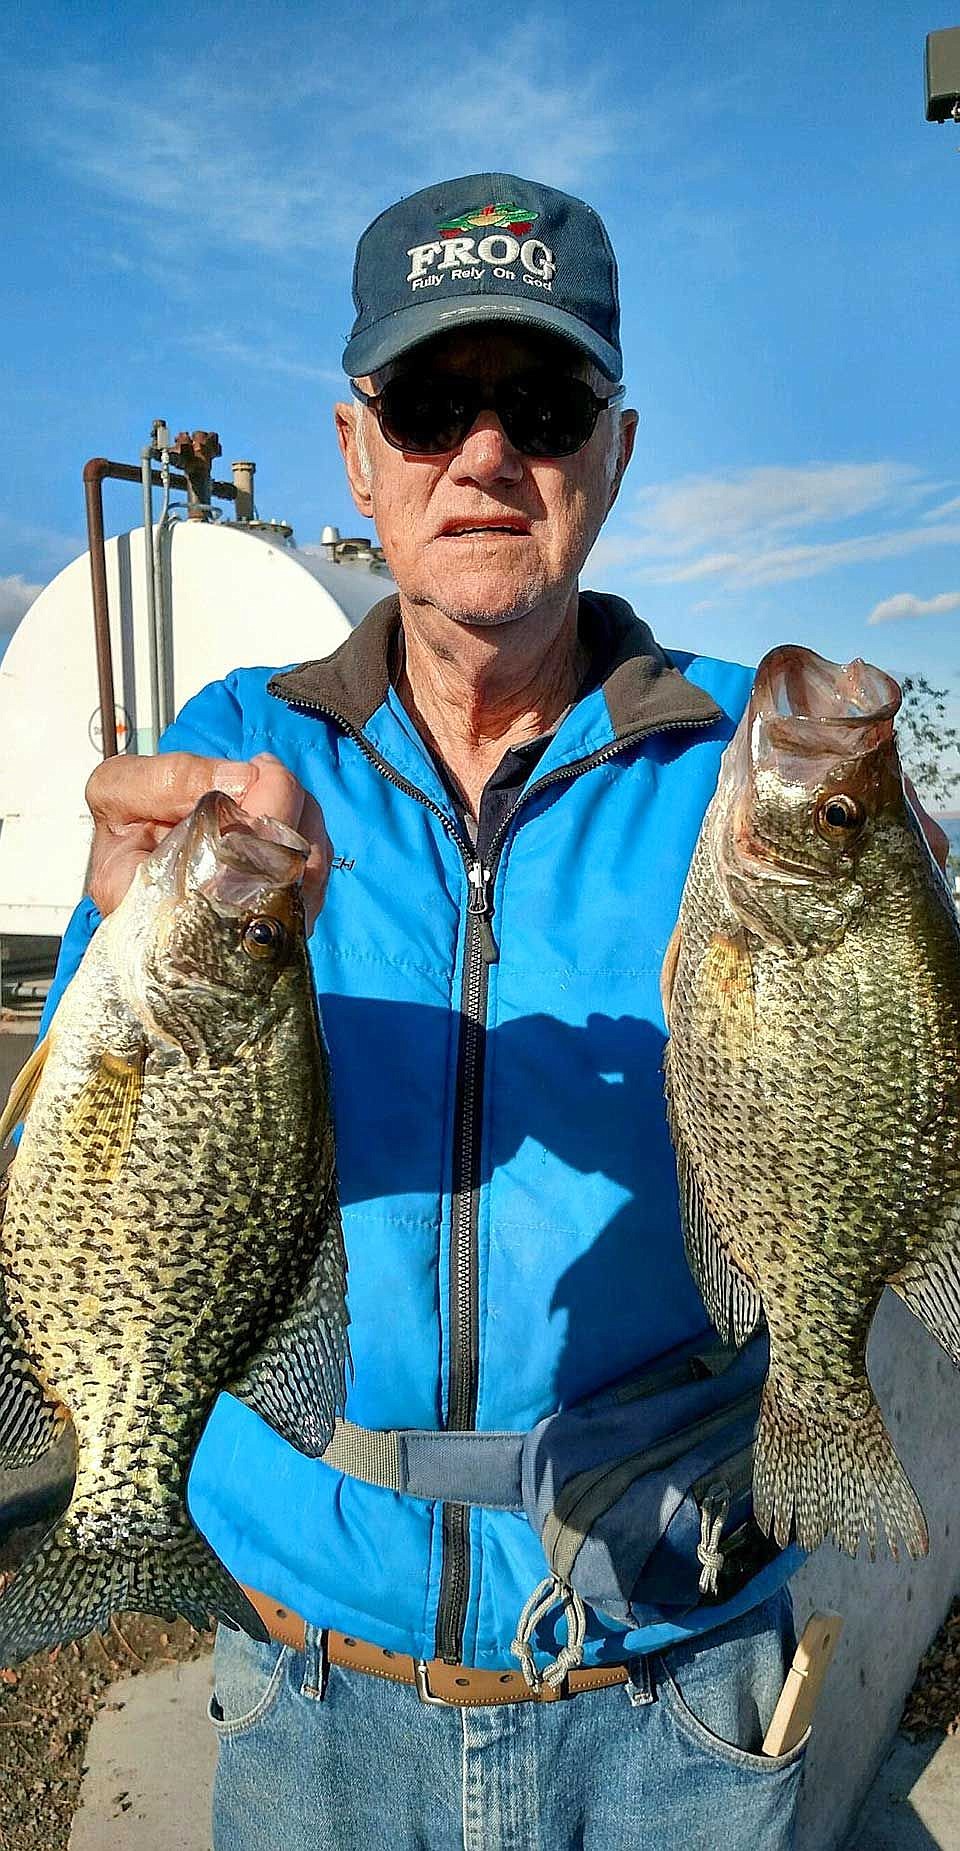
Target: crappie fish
812,994
171,1225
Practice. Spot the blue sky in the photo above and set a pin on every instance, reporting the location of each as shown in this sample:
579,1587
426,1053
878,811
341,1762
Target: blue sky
183,193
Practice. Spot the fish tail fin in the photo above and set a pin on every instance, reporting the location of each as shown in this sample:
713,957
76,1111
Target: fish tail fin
65,1590
830,1471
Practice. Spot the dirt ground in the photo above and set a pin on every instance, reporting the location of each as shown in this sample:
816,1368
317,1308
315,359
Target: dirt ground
46,1709
934,1702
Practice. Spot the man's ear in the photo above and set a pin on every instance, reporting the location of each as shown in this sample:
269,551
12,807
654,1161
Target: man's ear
628,434
345,417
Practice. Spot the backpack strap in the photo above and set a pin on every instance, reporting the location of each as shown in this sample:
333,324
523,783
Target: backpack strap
452,1468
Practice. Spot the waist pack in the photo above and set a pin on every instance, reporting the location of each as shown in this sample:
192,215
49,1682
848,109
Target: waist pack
641,1495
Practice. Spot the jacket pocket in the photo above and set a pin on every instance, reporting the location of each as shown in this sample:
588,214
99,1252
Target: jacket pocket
247,1679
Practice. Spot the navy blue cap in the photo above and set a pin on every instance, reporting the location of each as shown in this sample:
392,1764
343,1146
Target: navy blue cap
485,248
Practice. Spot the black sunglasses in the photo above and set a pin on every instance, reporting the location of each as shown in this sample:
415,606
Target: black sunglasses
542,413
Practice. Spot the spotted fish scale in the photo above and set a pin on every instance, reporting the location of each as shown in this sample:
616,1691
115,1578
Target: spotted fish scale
813,998
171,1225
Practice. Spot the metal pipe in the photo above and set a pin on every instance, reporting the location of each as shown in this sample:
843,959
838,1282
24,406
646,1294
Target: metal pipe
93,475
146,473
243,474
95,472
164,716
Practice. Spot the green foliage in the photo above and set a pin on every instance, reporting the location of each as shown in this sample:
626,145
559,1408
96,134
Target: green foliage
928,744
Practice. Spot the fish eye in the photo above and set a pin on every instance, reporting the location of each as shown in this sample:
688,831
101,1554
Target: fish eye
264,937
840,818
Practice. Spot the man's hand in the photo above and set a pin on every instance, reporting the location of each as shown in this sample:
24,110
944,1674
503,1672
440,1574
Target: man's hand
135,802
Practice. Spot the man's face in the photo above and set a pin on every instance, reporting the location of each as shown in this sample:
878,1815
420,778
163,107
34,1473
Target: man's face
483,533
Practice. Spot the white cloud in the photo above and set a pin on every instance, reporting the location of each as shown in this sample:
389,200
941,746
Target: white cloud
44,549
16,597
746,528
906,605
309,162
261,357
945,511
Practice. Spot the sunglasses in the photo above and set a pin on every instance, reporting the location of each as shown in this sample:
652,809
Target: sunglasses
542,413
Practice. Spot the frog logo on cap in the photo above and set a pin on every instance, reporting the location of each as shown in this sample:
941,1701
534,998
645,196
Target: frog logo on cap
499,241
512,217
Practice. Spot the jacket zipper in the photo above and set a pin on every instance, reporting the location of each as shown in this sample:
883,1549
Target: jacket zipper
480,951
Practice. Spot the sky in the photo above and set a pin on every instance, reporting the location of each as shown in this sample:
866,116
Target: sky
183,194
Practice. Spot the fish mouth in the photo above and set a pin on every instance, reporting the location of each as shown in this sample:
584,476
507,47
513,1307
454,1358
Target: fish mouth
806,708
231,858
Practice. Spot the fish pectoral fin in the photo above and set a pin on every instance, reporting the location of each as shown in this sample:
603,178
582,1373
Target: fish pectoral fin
296,1383
104,1114
668,970
930,1287
725,1005
21,1094
731,1297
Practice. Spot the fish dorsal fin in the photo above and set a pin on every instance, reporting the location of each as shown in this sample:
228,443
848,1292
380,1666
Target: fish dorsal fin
930,1285
731,1298
297,1380
22,1091
105,1112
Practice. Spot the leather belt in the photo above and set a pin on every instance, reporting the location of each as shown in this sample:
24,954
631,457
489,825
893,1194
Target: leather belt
433,1680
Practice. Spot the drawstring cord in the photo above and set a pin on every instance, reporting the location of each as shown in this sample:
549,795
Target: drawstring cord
713,1515
550,1593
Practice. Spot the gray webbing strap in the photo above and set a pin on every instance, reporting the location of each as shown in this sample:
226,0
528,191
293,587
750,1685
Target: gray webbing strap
454,1468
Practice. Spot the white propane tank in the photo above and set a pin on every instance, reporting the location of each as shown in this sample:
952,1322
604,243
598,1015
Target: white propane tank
236,598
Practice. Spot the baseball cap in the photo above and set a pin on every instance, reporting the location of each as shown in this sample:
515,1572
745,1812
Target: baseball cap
484,248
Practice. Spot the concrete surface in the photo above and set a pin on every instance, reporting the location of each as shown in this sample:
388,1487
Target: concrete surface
891,1610
150,1765
914,1803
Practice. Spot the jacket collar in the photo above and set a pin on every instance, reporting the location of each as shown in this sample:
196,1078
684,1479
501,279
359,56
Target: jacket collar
642,689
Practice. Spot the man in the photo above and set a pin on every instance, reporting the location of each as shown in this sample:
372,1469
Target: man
514,777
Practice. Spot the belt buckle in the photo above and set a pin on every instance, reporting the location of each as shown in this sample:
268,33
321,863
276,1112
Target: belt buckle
423,1686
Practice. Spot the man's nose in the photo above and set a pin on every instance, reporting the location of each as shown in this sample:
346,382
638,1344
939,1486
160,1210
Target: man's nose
486,454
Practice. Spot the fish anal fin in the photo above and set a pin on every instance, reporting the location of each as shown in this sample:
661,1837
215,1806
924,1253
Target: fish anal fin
21,1095
930,1287
296,1383
830,1470
64,1590
32,1417
668,970
731,1297
725,1006
104,1114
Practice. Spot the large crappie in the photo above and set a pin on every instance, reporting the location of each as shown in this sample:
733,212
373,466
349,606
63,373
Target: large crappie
171,1225
812,994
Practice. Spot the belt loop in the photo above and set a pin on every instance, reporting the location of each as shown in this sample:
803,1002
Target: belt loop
639,1682
315,1664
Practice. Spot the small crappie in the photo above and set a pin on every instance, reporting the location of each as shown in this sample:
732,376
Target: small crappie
812,994
171,1225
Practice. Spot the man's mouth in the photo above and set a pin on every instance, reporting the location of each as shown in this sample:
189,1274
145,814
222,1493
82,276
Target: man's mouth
471,529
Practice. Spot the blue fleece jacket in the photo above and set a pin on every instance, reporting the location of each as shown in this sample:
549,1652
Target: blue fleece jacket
507,1180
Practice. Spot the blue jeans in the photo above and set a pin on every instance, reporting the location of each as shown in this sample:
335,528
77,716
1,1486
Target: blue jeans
668,1762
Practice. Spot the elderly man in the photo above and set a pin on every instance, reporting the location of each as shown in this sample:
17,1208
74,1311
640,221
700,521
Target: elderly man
514,775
